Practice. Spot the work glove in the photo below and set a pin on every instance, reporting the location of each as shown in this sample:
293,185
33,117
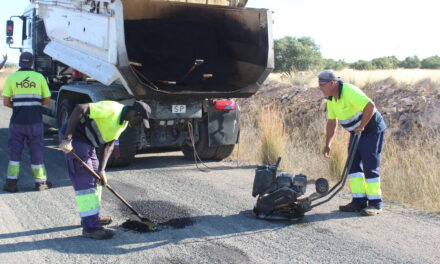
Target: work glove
66,146
103,180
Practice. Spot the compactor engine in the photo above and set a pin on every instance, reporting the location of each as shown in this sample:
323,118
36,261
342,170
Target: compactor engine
279,193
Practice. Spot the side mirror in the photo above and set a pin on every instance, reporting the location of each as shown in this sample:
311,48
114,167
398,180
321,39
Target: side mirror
9,40
9,28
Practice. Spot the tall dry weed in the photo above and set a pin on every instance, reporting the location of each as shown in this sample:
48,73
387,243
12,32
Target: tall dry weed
272,136
411,170
301,78
339,151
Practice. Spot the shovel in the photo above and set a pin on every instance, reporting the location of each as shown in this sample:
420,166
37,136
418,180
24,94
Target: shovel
139,223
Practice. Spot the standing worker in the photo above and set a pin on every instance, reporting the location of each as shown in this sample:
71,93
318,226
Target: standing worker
91,126
25,91
5,58
357,114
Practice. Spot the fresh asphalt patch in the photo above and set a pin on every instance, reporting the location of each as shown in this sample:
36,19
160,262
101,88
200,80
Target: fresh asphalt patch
164,214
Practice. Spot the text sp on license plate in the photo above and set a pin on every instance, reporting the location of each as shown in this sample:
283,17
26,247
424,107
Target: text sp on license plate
179,109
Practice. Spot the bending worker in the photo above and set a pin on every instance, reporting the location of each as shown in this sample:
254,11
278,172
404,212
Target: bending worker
356,113
91,126
25,91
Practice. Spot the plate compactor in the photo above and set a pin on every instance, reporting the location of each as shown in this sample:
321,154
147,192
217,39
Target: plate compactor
279,193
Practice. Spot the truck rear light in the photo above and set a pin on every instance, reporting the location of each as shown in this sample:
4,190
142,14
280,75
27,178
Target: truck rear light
225,105
76,75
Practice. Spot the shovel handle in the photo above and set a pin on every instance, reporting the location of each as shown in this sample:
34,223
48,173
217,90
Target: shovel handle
108,186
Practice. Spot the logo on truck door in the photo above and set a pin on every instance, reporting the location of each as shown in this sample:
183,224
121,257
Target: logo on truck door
25,84
178,109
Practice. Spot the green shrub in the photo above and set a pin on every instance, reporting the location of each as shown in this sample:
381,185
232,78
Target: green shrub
362,65
334,65
383,63
296,54
431,63
411,63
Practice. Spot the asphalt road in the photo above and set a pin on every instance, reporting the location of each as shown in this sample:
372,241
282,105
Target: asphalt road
204,217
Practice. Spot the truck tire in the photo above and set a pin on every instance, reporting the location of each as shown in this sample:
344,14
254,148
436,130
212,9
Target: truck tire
128,142
202,145
223,152
64,112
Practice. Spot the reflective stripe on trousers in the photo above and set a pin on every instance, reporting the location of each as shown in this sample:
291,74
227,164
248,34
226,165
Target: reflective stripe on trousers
358,185
364,172
39,171
13,170
88,195
88,201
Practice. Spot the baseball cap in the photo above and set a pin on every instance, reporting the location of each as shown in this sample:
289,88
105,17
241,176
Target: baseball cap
144,110
328,75
26,60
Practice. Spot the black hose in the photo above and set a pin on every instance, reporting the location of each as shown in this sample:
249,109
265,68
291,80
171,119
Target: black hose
352,150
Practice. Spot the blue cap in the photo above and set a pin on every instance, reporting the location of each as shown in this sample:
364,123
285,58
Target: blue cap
328,75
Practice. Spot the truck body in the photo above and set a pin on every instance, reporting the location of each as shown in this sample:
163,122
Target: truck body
188,60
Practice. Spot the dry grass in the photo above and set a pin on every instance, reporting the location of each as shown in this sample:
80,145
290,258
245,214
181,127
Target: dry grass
403,76
361,78
411,170
272,136
4,73
305,78
338,154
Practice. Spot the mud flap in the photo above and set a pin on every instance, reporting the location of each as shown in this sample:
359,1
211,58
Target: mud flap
223,127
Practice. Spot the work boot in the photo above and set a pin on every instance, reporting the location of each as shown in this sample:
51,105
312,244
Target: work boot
10,186
103,220
41,186
351,207
100,234
371,210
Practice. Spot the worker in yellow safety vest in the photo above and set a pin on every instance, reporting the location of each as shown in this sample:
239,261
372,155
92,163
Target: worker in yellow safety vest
349,106
26,91
91,126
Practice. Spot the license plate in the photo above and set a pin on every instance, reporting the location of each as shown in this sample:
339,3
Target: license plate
179,109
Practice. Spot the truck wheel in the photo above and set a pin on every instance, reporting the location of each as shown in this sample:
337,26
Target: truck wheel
127,149
223,152
64,112
202,146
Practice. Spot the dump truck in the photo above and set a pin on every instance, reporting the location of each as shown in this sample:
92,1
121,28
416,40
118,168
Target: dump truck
189,60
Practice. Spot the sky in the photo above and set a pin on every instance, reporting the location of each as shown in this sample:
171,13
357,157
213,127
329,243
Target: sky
344,29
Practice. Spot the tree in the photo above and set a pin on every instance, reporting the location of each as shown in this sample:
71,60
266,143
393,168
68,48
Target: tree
431,63
362,65
390,62
334,65
411,63
296,54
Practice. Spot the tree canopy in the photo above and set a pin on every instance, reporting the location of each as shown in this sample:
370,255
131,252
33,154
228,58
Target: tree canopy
303,54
